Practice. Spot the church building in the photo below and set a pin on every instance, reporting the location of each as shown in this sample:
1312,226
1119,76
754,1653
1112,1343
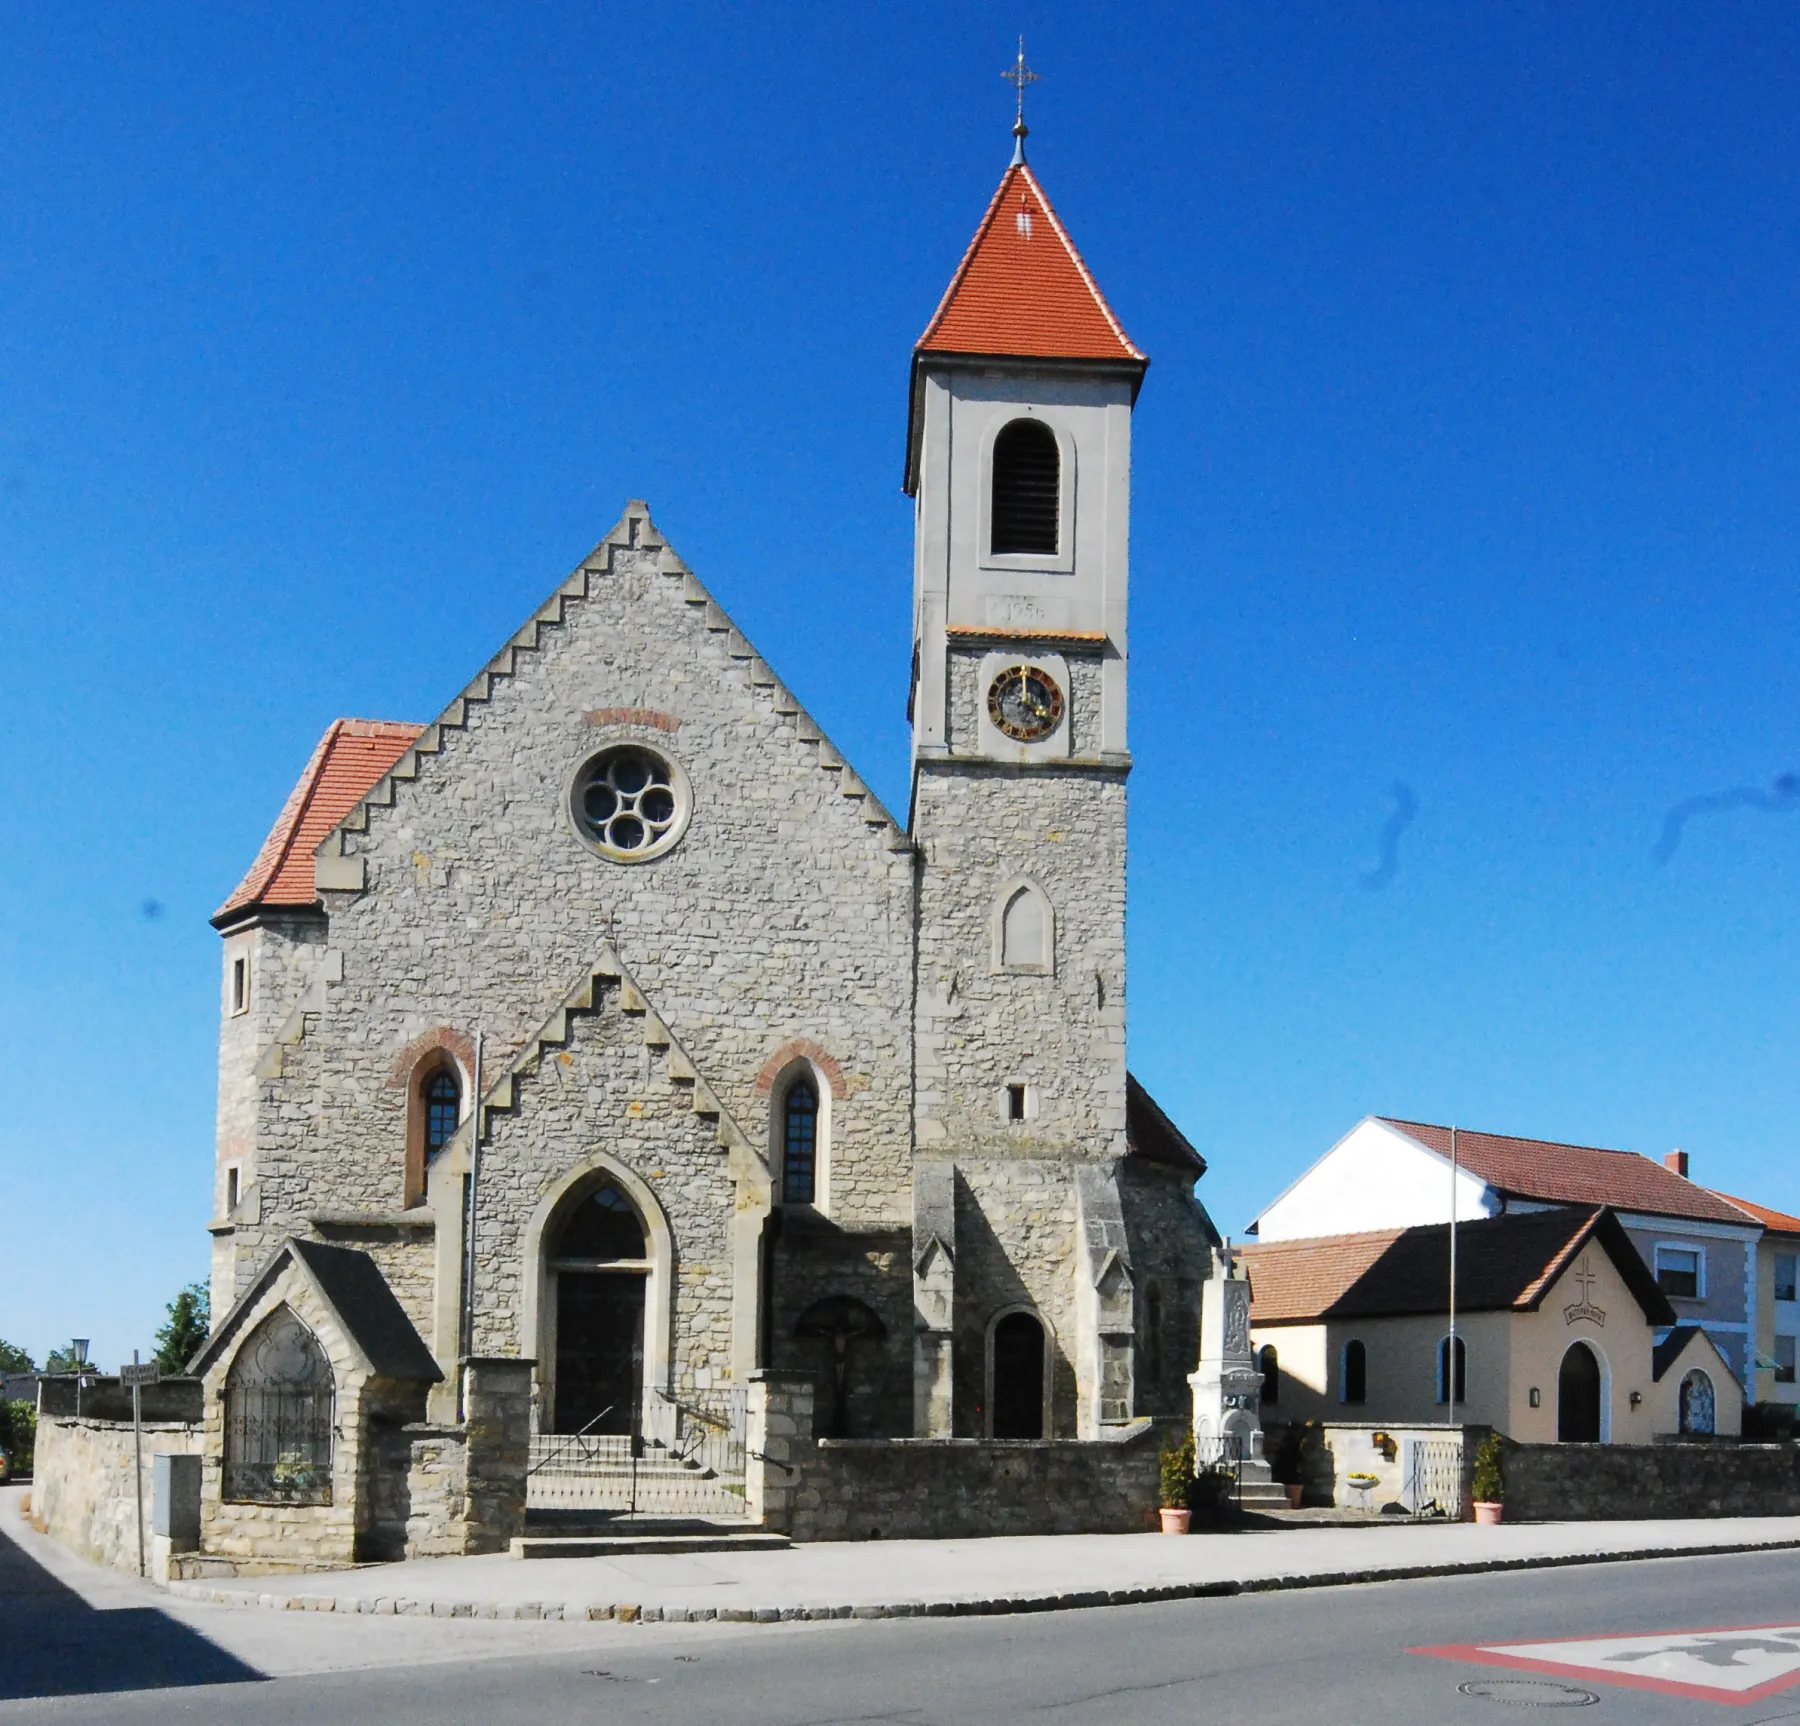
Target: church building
607,1025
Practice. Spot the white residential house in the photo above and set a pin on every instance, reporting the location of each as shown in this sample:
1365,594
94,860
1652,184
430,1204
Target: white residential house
1387,1174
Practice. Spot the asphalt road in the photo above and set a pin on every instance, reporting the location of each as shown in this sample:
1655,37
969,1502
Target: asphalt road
1269,1658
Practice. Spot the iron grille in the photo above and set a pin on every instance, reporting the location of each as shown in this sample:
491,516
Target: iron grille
1435,1479
686,1458
278,1444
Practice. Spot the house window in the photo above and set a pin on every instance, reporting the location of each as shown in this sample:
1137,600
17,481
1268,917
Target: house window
1443,1371
1784,1276
799,1142
240,985
1015,1102
1680,1271
1269,1364
1356,1372
1784,1359
1027,490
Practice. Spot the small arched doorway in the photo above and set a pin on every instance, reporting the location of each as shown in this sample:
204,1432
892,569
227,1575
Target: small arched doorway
1016,1393
1578,1396
1699,1405
599,1260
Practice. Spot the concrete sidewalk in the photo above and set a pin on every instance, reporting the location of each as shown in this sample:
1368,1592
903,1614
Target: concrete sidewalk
940,1578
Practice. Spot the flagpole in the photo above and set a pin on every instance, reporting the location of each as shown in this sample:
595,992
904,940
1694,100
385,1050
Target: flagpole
1450,1352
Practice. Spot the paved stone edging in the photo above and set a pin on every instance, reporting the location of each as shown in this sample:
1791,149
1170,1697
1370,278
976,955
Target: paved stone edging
635,1613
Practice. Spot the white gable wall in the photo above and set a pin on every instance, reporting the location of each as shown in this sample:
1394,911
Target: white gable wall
1375,1177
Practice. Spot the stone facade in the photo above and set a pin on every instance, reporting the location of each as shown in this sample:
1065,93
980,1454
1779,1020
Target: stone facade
635,1024
1568,1483
84,1485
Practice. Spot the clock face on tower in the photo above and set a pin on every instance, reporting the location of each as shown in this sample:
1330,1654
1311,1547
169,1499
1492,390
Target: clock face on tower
1025,703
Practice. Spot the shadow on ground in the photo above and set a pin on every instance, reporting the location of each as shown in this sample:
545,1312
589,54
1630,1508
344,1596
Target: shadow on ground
52,1643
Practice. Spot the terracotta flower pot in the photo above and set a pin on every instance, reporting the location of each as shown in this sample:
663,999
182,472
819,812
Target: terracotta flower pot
1487,1512
1175,1519
1295,1492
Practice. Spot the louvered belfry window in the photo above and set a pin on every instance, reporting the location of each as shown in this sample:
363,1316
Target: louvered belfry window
1027,490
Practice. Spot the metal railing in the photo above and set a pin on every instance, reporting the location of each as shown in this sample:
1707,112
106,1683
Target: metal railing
1222,1457
685,1459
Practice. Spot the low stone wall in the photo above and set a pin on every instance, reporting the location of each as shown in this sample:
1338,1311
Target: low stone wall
83,1489
1620,1482
948,1488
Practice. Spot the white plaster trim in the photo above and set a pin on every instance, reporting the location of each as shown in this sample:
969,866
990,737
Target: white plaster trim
1062,560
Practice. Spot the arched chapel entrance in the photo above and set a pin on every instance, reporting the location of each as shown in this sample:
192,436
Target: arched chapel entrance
598,1260
1578,1387
1016,1390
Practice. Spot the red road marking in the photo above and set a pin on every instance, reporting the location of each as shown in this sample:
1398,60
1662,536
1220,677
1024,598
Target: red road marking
1597,1669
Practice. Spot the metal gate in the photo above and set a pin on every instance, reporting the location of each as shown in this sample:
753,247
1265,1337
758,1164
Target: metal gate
685,1459
1434,1477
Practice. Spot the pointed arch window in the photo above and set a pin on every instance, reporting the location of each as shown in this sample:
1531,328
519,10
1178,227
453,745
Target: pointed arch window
443,1109
280,1396
800,1142
434,1108
1024,930
1027,491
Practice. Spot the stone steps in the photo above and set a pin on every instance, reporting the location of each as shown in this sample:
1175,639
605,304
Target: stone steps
620,1545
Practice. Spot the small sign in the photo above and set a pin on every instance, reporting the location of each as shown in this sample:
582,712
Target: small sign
134,1373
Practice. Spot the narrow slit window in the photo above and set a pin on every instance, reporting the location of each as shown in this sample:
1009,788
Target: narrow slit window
1015,1102
1027,497
240,985
231,1191
443,1108
799,1143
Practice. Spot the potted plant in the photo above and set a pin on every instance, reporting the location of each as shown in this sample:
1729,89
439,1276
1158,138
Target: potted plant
1177,1484
1490,1480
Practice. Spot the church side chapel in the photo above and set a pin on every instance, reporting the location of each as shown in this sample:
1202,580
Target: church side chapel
609,1086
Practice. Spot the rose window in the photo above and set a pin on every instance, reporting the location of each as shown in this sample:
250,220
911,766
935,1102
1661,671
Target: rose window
630,803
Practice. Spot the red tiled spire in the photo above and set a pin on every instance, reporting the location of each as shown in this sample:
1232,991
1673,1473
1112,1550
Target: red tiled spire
1022,289
348,763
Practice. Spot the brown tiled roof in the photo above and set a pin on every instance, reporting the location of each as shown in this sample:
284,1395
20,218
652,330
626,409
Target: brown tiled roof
1022,289
1776,1222
1150,1134
1504,1263
1573,1174
348,763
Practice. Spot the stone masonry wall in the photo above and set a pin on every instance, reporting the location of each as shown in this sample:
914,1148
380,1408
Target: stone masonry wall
83,1487
946,1489
1614,1482
784,913
600,1093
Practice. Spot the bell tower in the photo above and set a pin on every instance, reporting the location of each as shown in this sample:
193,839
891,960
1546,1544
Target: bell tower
1019,463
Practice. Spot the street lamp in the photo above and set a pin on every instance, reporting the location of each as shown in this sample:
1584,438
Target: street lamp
79,1346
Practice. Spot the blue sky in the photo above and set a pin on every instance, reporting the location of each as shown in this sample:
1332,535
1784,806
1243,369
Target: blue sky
331,338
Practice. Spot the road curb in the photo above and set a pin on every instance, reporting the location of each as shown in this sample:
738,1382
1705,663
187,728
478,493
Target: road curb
631,1612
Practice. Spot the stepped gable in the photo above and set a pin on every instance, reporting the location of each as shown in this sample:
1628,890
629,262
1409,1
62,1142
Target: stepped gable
348,761
635,535
679,1070
1552,1173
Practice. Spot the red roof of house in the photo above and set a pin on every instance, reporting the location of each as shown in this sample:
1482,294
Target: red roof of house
1504,1264
1022,289
348,763
1574,1174
1776,1222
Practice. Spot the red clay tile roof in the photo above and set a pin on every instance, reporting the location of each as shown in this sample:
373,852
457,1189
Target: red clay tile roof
1776,1222
1503,1264
350,760
1022,289
1573,1174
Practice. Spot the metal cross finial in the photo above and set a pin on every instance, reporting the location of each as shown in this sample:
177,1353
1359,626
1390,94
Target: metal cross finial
1019,75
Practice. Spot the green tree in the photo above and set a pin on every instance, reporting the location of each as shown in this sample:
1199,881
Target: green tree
190,1318
63,1360
15,1359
